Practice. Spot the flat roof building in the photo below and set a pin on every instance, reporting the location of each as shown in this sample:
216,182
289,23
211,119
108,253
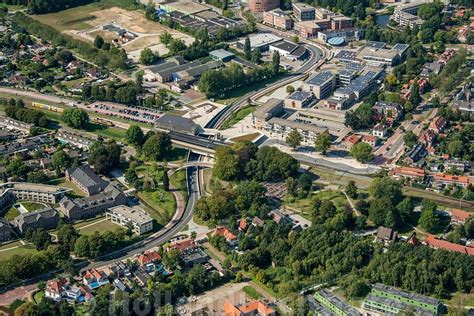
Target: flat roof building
259,6
124,216
380,56
321,84
261,41
173,123
222,55
304,12
335,304
390,300
278,19
298,99
265,112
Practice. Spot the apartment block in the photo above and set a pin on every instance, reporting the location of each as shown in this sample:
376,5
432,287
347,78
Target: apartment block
304,12
277,19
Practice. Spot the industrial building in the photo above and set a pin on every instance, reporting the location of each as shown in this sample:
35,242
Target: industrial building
261,41
222,55
289,50
173,123
380,56
126,216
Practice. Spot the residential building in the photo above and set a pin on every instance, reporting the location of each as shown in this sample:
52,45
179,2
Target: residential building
298,99
406,16
321,84
389,111
174,123
438,124
86,179
195,256
335,304
222,55
380,130
54,289
90,206
148,257
134,217
414,154
5,230
277,19
388,300
349,141
386,235
441,180
229,236
407,173
94,279
182,245
433,242
259,6
283,127
46,218
303,11
34,192
75,139
253,308
459,216
10,123
371,140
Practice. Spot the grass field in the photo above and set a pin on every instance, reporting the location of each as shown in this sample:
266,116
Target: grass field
100,225
31,206
161,204
75,18
251,292
238,116
63,182
6,252
305,205
11,213
248,137
38,297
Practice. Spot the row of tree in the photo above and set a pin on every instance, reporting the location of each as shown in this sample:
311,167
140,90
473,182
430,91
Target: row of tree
16,109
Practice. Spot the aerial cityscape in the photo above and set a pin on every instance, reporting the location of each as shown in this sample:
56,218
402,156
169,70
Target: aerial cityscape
236,158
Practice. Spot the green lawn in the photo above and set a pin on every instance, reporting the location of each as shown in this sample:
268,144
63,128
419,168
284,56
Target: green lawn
238,116
74,18
247,137
21,250
63,182
106,131
305,205
100,225
38,297
161,204
178,180
11,213
31,206
251,292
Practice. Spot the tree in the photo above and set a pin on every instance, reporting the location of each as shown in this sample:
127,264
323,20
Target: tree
362,152
172,259
456,148
227,163
247,49
60,160
99,42
166,181
290,89
294,139
76,118
415,97
17,168
134,135
351,189
104,156
148,57
323,142
275,63
410,139
165,38
386,187
295,39
257,56
156,146
429,220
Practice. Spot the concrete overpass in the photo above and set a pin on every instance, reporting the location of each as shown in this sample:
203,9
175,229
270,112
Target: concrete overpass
198,144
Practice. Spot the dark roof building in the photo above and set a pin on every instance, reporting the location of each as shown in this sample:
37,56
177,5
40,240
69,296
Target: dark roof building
90,206
5,230
46,218
173,123
86,179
